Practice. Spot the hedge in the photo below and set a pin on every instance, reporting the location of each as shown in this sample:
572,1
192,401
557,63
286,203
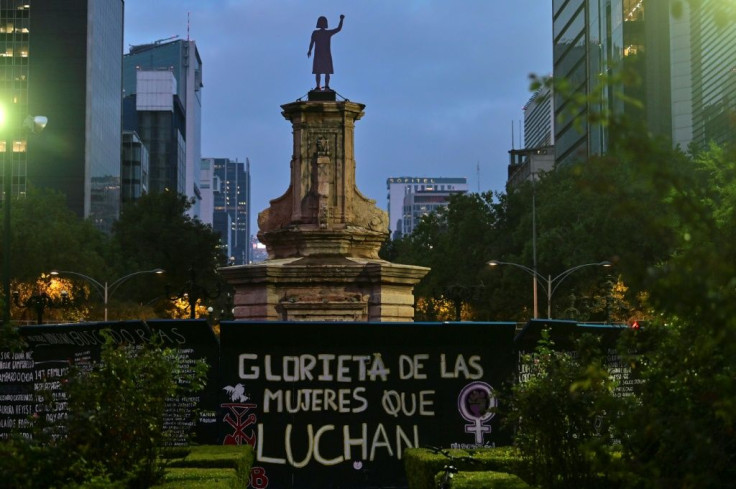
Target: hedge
210,466
422,464
486,479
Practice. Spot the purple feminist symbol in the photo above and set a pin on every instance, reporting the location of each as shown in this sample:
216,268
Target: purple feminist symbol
475,404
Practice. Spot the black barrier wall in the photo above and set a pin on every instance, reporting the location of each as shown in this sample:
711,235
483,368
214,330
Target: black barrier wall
327,402
324,404
52,349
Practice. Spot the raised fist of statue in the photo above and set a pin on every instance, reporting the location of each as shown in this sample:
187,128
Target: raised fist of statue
342,16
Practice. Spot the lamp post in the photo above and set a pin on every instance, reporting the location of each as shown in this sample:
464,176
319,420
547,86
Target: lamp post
40,301
552,283
8,144
106,289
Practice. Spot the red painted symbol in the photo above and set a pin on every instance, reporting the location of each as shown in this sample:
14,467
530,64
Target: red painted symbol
239,419
258,478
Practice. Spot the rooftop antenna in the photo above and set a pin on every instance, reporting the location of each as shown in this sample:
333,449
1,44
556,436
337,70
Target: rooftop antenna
512,135
188,14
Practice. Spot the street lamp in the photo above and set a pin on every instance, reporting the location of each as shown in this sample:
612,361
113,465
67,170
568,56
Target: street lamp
103,288
552,283
33,124
40,301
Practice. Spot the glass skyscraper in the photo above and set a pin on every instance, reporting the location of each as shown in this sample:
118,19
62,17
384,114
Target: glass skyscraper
231,207
173,135
712,28
598,39
682,52
74,77
15,23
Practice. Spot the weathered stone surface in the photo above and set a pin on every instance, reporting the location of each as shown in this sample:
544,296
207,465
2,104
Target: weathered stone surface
323,235
323,289
322,211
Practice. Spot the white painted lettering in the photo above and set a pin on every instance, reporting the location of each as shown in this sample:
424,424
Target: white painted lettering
474,361
317,455
361,442
401,435
380,439
343,371
253,373
269,375
426,404
378,369
259,449
306,365
310,446
326,358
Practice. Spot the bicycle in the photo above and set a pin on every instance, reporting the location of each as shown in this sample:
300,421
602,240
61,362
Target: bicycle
449,469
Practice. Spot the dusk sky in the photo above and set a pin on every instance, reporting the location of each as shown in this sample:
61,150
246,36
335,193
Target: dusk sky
443,81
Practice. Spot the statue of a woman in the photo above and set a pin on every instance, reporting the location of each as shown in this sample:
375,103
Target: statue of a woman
322,62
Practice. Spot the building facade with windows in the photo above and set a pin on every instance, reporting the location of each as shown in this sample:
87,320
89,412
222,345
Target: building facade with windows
539,118
711,30
156,114
681,54
62,60
230,185
167,69
134,170
538,154
595,40
410,198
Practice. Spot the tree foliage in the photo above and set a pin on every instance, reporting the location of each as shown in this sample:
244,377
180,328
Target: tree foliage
682,429
604,209
156,232
562,411
46,236
666,219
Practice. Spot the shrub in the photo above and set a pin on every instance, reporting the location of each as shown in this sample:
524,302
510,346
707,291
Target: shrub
484,480
562,415
113,433
422,464
116,410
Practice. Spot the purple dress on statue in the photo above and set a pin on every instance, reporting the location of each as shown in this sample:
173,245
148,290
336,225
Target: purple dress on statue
322,63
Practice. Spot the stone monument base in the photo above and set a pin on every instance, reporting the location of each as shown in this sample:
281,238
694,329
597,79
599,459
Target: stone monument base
327,288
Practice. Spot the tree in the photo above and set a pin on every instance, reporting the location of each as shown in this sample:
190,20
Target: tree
561,412
46,236
156,232
454,243
681,430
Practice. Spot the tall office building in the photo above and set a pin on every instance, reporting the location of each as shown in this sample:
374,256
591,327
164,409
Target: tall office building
538,153
134,167
206,181
607,37
684,53
62,60
170,69
231,210
410,198
712,34
539,118
156,114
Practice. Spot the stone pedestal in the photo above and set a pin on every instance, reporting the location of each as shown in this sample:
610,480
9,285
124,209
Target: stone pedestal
323,235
